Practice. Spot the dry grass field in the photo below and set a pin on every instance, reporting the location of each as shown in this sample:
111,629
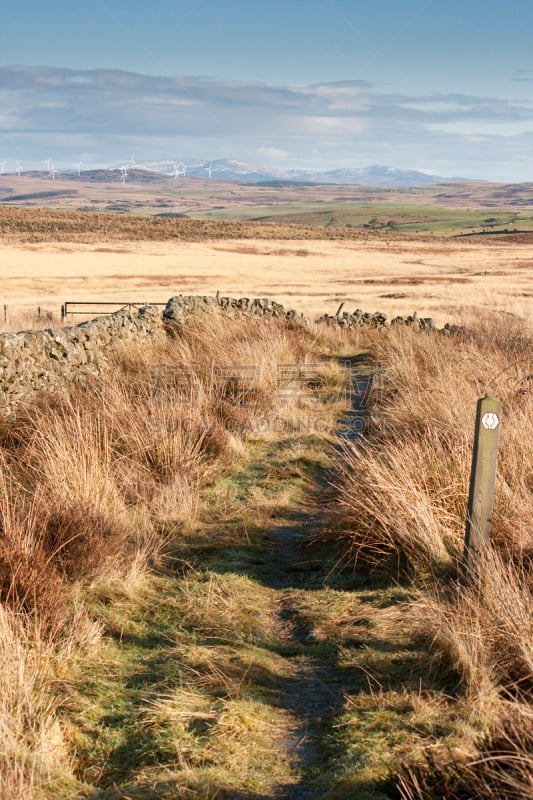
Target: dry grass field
303,268
231,598
200,602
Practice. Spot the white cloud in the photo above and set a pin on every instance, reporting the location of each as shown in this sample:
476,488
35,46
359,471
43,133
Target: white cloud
349,123
273,153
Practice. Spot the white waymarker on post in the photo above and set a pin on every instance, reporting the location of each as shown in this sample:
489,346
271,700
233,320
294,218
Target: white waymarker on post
482,484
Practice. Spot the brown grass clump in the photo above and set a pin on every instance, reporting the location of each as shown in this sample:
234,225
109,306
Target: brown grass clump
98,485
28,581
404,490
38,630
503,767
401,505
485,631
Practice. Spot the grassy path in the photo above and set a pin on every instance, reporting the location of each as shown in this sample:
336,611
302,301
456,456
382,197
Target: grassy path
314,692
253,669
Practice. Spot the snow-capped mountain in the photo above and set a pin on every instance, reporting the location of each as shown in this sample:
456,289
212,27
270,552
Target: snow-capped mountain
246,172
222,169
384,176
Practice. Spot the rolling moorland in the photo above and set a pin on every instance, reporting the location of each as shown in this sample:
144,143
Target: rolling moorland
49,257
425,208
438,249
240,597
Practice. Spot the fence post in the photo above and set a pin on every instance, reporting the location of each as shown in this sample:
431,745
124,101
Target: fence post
482,483
63,311
6,315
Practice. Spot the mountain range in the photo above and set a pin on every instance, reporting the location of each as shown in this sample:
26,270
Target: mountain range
246,172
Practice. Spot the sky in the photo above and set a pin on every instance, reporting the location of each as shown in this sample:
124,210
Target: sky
437,85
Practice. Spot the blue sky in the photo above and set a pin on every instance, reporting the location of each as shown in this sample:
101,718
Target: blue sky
426,84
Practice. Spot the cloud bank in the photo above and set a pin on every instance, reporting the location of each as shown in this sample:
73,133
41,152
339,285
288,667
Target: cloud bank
101,115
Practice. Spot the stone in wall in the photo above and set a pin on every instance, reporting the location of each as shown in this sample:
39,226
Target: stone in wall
37,361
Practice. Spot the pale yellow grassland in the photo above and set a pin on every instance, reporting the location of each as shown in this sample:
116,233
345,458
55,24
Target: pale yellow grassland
436,278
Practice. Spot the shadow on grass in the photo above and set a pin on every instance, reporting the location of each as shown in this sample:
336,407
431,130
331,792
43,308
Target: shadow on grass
285,555
172,789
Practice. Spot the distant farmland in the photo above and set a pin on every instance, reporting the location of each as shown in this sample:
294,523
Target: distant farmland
324,221
447,209
386,217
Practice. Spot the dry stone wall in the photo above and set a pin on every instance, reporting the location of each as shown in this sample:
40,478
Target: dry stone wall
37,361
358,319
178,308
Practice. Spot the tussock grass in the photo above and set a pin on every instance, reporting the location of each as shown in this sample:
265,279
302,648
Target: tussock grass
100,485
502,767
401,506
405,490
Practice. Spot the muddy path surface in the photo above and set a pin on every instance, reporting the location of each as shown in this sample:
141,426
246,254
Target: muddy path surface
316,689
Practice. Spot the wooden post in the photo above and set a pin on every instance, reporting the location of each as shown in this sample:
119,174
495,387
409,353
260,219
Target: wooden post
38,312
63,311
482,482
6,315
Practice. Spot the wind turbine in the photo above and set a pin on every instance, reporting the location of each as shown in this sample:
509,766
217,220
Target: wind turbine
176,172
209,170
123,174
131,162
53,173
3,166
78,167
48,162
18,169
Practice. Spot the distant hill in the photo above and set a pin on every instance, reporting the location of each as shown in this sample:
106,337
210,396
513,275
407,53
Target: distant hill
155,189
246,172
235,171
381,176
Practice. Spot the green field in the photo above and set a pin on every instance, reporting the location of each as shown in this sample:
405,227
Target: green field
379,216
